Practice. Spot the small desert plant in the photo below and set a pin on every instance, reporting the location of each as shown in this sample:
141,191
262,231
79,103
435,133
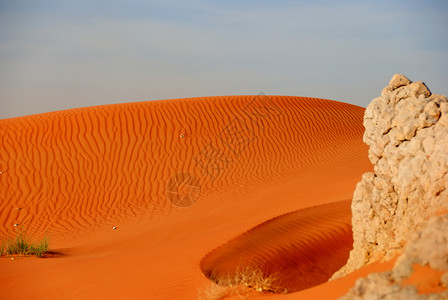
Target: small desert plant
22,246
241,283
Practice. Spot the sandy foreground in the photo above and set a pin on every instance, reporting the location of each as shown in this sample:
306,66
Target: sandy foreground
195,188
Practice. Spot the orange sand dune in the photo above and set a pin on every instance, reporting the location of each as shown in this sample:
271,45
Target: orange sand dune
176,178
299,250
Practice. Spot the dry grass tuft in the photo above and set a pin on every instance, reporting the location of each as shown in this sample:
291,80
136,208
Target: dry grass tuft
241,283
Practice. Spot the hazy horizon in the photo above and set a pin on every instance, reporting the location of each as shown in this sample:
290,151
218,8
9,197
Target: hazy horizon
58,55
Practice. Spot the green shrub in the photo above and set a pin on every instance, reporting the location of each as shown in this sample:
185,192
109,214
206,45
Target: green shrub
22,246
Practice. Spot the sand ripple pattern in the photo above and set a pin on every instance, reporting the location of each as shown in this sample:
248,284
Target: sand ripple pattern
297,250
70,171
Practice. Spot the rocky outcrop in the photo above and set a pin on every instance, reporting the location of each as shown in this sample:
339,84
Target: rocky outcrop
406,129
429,248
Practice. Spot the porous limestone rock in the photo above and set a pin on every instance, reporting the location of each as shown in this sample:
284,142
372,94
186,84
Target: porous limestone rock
428,247
406,129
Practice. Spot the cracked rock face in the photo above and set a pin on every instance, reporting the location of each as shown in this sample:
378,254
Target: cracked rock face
406,129
428,247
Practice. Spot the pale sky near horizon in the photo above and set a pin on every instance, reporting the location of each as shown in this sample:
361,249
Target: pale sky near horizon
58,55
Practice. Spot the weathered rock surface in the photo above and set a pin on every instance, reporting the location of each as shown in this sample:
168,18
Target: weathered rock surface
428,247
406,129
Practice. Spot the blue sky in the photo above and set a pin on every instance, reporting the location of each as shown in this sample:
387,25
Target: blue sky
65,54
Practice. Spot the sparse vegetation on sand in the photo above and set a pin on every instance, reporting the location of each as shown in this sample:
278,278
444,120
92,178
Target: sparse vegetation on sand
22,245
242,283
